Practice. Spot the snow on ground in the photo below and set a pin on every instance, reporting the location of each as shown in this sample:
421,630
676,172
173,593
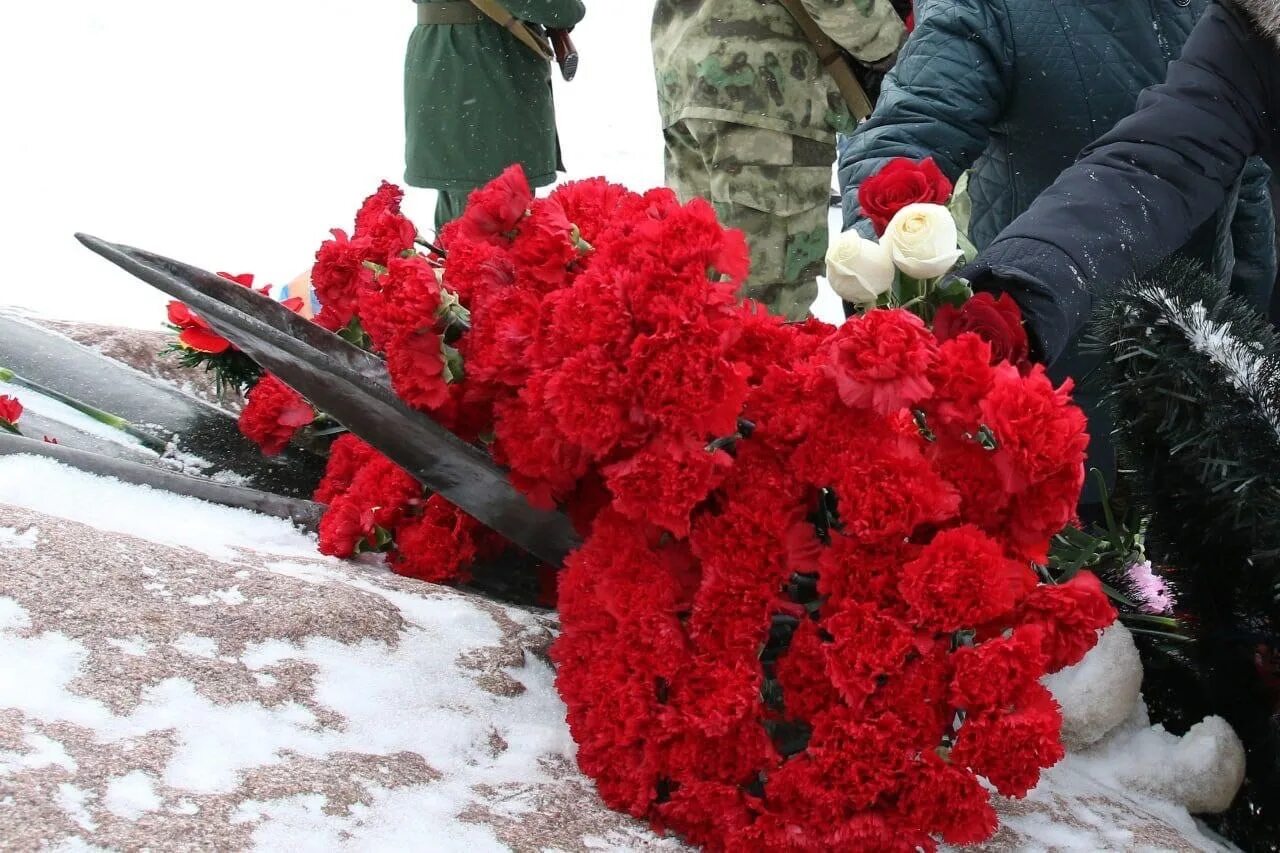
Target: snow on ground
387,712
234,136
401,697
15,539
168,519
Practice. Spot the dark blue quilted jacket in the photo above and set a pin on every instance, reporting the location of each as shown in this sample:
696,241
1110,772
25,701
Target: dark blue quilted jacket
1015,89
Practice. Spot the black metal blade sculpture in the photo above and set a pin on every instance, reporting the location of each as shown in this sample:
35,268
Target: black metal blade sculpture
60,368
353,387
304,513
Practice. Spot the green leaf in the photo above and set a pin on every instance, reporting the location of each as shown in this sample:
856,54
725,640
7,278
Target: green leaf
453,367
955,292
354,333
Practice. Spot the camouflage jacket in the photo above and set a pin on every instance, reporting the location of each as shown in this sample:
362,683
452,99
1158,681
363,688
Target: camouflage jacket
746,61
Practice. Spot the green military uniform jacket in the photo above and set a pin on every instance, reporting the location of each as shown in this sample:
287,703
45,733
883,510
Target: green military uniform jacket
477,100
747,62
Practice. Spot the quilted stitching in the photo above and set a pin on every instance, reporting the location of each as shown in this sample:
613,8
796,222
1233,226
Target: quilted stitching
1067,71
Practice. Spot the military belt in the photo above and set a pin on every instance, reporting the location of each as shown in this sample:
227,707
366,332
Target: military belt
459,12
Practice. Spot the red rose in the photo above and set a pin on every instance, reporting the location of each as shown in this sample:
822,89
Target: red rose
995,319
10,410
900,183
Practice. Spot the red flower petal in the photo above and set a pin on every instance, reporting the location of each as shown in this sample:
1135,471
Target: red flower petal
203,340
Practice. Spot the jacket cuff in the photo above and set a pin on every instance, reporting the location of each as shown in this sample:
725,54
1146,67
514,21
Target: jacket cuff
1050,327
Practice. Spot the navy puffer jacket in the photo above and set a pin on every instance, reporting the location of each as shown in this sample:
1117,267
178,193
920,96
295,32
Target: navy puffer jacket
1014,89
1151,183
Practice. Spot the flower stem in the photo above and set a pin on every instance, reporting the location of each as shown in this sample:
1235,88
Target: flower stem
114,421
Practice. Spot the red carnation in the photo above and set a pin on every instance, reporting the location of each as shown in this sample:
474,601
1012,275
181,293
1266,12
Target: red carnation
806,687
662,483
341,529
379,222
591,400
995,673
590,204
961,377
494,210
949,802
901,182
380,496
10,411
416,364
403,301
881,360
1039,433
338,275
1011,748
273,412
1070,615
503,328
963,580
868,645
438,545
997,320
347,455
685,385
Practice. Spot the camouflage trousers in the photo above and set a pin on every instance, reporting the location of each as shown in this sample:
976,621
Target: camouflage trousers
773,186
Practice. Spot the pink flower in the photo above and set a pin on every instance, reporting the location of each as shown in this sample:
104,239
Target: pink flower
1156,595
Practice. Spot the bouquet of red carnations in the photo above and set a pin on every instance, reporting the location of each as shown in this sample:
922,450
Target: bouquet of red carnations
805,615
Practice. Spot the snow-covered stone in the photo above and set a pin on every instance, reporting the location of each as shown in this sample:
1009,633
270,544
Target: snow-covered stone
1098,694
337,706
1105,721
178,675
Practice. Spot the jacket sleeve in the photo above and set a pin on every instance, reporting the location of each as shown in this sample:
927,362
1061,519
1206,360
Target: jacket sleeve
948,88
869,35
1253,233
1140,191
560,14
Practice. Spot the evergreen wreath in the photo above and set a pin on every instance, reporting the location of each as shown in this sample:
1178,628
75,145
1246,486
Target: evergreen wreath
1194,387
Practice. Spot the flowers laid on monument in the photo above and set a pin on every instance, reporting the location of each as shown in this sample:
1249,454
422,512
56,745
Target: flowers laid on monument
900,183
1152,591
859,270
918,245
198,345
804,615
10,412
922,240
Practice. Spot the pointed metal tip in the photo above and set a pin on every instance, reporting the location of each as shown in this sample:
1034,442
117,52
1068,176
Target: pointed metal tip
98,246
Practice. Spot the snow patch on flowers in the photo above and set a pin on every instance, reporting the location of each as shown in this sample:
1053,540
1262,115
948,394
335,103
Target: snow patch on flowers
108,504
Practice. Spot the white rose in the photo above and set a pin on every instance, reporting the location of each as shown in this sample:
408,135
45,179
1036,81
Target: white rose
859,270
923,240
